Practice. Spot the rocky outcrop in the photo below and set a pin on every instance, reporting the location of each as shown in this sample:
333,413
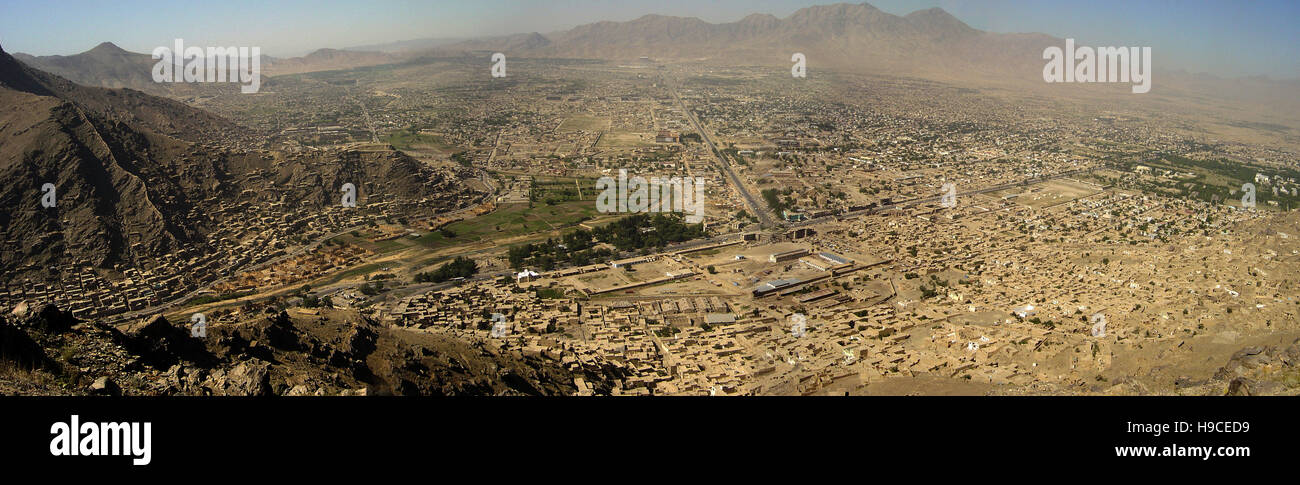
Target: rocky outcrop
1262,370
49,319
162,345
20,350
105,386
1251,358
275,353
250,378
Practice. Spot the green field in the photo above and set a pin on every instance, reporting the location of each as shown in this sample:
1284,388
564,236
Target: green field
559,190
512,220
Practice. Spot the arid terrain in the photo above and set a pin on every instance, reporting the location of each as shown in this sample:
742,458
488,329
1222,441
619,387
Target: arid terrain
920,214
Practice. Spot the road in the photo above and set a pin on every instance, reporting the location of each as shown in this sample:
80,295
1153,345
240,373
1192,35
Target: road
374,135
764,216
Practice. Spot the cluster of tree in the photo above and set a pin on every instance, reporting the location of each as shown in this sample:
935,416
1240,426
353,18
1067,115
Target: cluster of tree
462,158
638,231
372,288
641,231
575,248
461,267
311,301
202,299
778,200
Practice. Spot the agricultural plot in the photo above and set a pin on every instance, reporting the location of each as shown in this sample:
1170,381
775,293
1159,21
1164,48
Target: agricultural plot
511,220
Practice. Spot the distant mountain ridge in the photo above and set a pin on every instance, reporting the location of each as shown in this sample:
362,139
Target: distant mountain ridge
856,38
832,36
406,45
106,65
839,36
109,66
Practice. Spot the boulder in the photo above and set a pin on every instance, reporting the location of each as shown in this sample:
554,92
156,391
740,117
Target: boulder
104,386
281,334
20,310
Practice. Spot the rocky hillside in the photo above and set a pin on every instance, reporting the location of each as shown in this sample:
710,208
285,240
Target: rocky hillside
130,171
47,352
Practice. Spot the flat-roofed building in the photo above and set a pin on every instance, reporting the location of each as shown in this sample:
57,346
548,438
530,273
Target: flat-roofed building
772,286
787,255
719,318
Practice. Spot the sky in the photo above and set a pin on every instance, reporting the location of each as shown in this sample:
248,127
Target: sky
1226,38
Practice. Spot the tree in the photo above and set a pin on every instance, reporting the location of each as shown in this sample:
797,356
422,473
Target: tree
461,267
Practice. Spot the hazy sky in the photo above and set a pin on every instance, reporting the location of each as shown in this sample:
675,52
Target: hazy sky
1229,38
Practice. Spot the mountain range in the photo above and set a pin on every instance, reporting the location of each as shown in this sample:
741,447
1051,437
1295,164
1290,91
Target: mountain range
109,66
928,43
858,37
840,36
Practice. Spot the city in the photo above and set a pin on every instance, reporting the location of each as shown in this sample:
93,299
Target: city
860,233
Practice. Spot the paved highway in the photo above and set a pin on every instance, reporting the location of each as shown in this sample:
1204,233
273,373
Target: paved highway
764,216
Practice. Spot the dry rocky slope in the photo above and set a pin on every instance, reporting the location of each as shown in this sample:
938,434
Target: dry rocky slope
47,352
131,172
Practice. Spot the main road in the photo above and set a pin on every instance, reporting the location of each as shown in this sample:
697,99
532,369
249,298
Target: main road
765,218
